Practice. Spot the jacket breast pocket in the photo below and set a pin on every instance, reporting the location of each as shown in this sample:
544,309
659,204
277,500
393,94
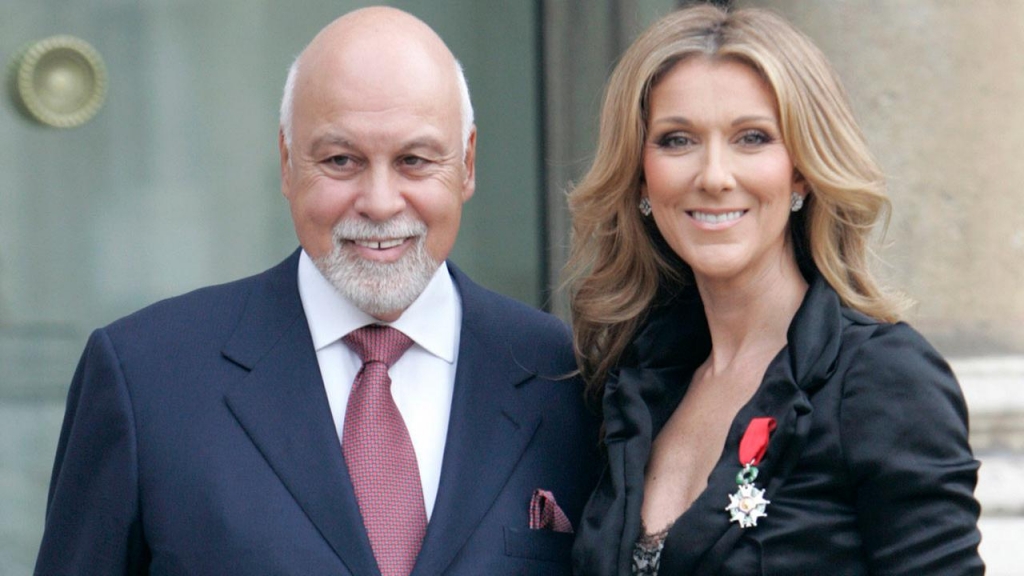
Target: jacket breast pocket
538,544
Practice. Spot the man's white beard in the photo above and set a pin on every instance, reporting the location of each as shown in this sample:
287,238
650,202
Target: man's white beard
378,288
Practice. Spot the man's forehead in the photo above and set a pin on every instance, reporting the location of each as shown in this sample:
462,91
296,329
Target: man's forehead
376,137
355,113
360,88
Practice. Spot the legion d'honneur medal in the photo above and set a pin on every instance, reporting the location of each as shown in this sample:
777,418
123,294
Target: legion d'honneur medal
748,503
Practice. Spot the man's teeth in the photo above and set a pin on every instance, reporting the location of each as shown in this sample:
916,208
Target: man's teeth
717,218
380,245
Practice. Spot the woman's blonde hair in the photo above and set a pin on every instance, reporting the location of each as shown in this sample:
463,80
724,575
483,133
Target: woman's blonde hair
618,259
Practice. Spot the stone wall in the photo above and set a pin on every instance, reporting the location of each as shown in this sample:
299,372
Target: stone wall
937,87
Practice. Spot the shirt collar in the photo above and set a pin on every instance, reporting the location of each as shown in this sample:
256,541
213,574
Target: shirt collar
432,320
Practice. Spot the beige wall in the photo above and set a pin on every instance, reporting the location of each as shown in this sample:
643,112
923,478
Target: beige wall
939,89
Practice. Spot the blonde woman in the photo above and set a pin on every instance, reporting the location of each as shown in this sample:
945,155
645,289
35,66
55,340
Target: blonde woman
765,411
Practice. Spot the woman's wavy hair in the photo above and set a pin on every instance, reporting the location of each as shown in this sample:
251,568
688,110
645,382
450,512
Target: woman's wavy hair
618,260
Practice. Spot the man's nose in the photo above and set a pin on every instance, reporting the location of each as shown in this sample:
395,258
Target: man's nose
716,171
380,195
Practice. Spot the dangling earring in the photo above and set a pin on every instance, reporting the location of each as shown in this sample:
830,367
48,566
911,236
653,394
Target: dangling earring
796,202
645,206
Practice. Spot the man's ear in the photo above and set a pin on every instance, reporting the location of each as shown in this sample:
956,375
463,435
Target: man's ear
469,160
286,163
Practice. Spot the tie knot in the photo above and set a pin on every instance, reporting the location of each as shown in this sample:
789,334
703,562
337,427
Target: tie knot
376,343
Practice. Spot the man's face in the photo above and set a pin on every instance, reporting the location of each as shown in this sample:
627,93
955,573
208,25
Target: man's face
376,175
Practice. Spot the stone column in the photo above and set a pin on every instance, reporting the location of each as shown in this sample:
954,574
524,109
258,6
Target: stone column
582,41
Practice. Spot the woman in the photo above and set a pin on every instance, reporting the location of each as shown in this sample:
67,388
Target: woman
765,413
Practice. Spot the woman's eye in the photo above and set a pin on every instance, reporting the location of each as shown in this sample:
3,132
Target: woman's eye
674,141
754,138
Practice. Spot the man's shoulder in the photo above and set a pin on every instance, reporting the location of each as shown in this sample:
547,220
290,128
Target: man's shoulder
491,306
495,316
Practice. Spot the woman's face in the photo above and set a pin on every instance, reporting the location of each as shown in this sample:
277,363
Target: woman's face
717,174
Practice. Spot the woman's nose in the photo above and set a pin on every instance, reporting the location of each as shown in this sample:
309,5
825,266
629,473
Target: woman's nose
716,173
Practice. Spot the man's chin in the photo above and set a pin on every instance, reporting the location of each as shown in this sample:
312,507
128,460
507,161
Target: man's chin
383,289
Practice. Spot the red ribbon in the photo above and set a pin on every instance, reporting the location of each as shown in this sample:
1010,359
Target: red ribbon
755,440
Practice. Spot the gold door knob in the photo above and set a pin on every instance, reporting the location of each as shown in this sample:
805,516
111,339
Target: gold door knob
59,81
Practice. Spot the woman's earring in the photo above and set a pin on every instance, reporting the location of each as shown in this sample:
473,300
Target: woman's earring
796,202
645,206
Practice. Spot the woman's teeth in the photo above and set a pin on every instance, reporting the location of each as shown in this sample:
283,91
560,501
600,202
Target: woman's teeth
717,218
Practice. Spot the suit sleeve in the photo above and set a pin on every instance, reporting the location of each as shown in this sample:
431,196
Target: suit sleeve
904,435
92,513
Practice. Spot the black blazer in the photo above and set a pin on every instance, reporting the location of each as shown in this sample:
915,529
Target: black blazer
198,440
868,472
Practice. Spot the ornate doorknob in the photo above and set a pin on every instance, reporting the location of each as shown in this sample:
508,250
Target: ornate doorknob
59,81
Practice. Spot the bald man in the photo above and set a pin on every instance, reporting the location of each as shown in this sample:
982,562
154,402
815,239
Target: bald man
363,407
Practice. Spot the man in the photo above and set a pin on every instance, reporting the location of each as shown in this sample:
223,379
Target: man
235,430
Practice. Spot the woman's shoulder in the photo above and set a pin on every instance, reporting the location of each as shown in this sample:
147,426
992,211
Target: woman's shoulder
896,345
893,373
880,332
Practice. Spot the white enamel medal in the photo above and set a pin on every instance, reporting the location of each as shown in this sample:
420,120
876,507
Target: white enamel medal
748,503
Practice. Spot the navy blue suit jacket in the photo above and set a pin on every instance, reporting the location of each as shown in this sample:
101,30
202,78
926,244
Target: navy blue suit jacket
198,440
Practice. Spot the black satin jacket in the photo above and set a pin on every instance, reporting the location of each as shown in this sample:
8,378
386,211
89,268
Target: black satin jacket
868,471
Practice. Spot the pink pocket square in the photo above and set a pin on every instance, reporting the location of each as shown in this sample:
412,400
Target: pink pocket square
545,513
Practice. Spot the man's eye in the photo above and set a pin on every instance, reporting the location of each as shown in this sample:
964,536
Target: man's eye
412,161
340,161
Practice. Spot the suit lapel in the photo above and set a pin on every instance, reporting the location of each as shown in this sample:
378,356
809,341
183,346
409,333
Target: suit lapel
283,408
488,431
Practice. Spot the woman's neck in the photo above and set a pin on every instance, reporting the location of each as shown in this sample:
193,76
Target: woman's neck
748,316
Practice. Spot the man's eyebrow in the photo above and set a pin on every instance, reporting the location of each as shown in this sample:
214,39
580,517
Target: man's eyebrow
330,139
426,142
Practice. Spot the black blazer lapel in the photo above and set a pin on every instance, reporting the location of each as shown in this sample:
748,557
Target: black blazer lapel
283,407
704,536
488,430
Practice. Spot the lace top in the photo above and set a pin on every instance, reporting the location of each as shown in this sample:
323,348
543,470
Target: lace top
647,551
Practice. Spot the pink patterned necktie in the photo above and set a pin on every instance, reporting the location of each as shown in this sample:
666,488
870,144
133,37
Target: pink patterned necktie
380,456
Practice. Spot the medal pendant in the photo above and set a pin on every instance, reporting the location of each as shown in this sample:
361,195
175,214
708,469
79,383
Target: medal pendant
748,503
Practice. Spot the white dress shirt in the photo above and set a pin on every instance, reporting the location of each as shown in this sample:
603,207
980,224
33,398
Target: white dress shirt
422,380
